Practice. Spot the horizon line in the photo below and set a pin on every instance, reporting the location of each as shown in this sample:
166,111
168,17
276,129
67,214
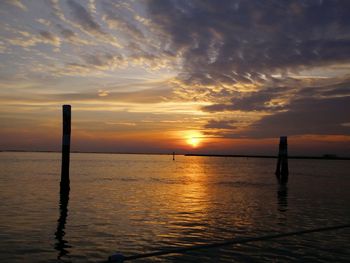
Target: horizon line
318,157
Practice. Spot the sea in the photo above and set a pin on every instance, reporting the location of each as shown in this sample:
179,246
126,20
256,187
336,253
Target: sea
133,204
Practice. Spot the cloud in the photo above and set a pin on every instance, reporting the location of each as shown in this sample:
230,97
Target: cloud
44,22
220,124
343,90
16,3
236,41
147,96
270,99
104,97
27,39
278,98
67,33
50,38
315,107
3,47
122,20
315,115
103,93
84,18
90,63
86,22
56,10
306,116
72,37
92,6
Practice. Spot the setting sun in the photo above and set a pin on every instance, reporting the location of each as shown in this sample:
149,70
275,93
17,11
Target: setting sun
193,138
193,141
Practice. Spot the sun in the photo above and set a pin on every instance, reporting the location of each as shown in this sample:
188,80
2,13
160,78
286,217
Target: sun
193,141
193,138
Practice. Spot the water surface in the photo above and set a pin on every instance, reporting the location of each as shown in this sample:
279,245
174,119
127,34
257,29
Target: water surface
141,203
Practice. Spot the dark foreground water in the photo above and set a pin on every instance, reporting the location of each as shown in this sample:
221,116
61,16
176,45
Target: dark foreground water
141,203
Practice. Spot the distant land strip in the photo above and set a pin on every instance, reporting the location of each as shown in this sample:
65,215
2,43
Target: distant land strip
326,157
53,151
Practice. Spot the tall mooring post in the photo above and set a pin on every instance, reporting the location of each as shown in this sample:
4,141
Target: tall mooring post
65,146
61,245
282,162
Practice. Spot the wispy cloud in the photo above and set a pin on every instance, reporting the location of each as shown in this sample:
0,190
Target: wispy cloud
86,22
26,39
16,3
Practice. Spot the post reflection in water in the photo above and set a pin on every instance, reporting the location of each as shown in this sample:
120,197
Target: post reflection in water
62,245
282,197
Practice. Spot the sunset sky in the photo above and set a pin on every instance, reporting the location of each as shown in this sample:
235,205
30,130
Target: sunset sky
186,76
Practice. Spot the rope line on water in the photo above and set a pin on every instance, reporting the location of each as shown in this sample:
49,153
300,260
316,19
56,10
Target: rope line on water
120,258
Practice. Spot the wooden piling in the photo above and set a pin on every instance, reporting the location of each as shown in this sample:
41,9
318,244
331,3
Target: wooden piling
66,145
173,156
61,244
282,162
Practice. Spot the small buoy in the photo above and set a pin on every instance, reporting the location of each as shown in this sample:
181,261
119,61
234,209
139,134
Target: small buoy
118,258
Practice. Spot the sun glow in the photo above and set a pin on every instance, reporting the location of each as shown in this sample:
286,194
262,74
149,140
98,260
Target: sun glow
193,142
193,138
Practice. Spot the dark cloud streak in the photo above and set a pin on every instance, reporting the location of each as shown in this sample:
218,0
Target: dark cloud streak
221,124
250,101
306,116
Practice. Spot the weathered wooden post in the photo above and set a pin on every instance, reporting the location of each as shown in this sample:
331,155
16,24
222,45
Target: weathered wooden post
66,146
282,162
61,244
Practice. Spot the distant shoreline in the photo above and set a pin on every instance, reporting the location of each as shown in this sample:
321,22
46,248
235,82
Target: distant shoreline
202,155
271,156
25,151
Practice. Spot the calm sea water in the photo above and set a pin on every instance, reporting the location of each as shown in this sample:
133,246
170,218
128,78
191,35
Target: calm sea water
141,203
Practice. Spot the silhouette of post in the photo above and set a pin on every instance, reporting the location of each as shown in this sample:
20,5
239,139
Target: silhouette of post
282,162
173,156
62,245
66,145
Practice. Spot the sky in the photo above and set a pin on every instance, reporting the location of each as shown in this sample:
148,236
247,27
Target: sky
190,76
